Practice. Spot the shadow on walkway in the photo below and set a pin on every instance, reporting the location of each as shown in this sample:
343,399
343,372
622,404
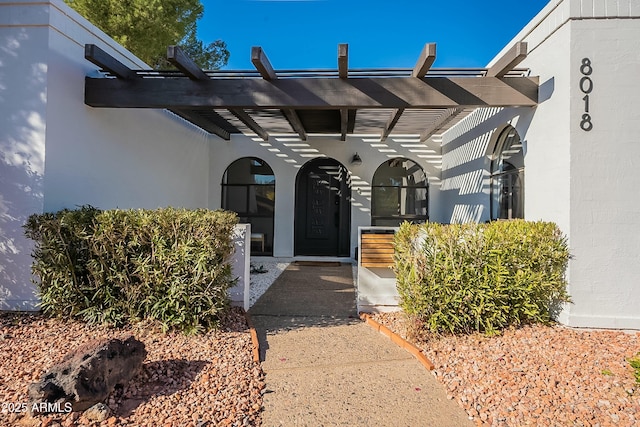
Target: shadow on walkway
324,366
302,297
305,291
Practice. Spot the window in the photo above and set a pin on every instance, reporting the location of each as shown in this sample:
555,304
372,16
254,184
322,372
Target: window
399,193
507,177
249,189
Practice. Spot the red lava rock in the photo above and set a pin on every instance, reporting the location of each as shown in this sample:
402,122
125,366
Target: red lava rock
168,390
536,375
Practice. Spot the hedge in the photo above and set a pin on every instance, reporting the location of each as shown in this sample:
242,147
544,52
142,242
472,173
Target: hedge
461,278
121,266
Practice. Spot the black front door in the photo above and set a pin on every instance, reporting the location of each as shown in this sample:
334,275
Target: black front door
323,210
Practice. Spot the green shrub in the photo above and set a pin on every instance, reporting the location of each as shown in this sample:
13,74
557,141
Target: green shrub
461,278
635,364
119,266
61,256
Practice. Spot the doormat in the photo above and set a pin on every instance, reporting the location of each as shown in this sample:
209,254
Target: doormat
318,263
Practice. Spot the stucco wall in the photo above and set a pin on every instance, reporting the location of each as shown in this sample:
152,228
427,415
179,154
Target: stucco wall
466,161
585,181
23,96
592,200
113,157
58,153
287,154
605,178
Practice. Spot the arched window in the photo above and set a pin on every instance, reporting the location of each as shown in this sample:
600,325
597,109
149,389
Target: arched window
507,177
249,189
399,193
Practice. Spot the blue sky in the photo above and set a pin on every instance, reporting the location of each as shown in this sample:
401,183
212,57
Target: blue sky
298,34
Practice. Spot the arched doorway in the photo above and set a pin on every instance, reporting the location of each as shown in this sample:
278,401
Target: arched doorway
323,209
249,189
400,192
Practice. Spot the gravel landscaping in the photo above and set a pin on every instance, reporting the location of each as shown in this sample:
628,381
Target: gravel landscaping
537,375
203,380
263,274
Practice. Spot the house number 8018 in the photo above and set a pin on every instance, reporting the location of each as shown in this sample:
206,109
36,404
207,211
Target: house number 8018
586,86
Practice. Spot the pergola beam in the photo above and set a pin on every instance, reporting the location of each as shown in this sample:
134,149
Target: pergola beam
509,60
197,97
344,123
262,64
182,62
445,118
391,123
102,59
425,61
343,60
317,93
296,123
245,118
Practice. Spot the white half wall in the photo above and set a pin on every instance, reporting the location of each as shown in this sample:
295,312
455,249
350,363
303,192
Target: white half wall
240,266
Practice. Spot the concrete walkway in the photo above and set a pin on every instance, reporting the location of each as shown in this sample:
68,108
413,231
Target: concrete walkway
325,367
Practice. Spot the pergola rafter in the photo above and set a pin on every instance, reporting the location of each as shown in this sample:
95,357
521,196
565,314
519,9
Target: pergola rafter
343,73
102,59
177,57
509,60
447,116
314,101
245,118
262,64
425,61
202,119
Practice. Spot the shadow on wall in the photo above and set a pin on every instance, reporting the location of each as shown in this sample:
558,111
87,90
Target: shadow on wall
466,161
296,153
22,132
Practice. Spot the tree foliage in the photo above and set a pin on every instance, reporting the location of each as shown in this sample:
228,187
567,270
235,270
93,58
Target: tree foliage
147,27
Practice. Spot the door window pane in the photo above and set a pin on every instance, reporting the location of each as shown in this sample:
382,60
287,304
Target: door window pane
399,193
248,188
507,177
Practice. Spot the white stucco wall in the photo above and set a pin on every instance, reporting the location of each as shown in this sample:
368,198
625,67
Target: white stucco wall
125,158
583,181
23,97
59,153
241,266
55,152
605,178
466,161
287,154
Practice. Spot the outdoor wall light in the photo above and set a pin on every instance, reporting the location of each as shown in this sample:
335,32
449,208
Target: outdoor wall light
356,160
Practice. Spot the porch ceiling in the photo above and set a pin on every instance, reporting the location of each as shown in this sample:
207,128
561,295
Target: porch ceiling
421,101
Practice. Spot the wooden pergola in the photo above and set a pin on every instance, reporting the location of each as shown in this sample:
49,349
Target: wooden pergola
422,101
